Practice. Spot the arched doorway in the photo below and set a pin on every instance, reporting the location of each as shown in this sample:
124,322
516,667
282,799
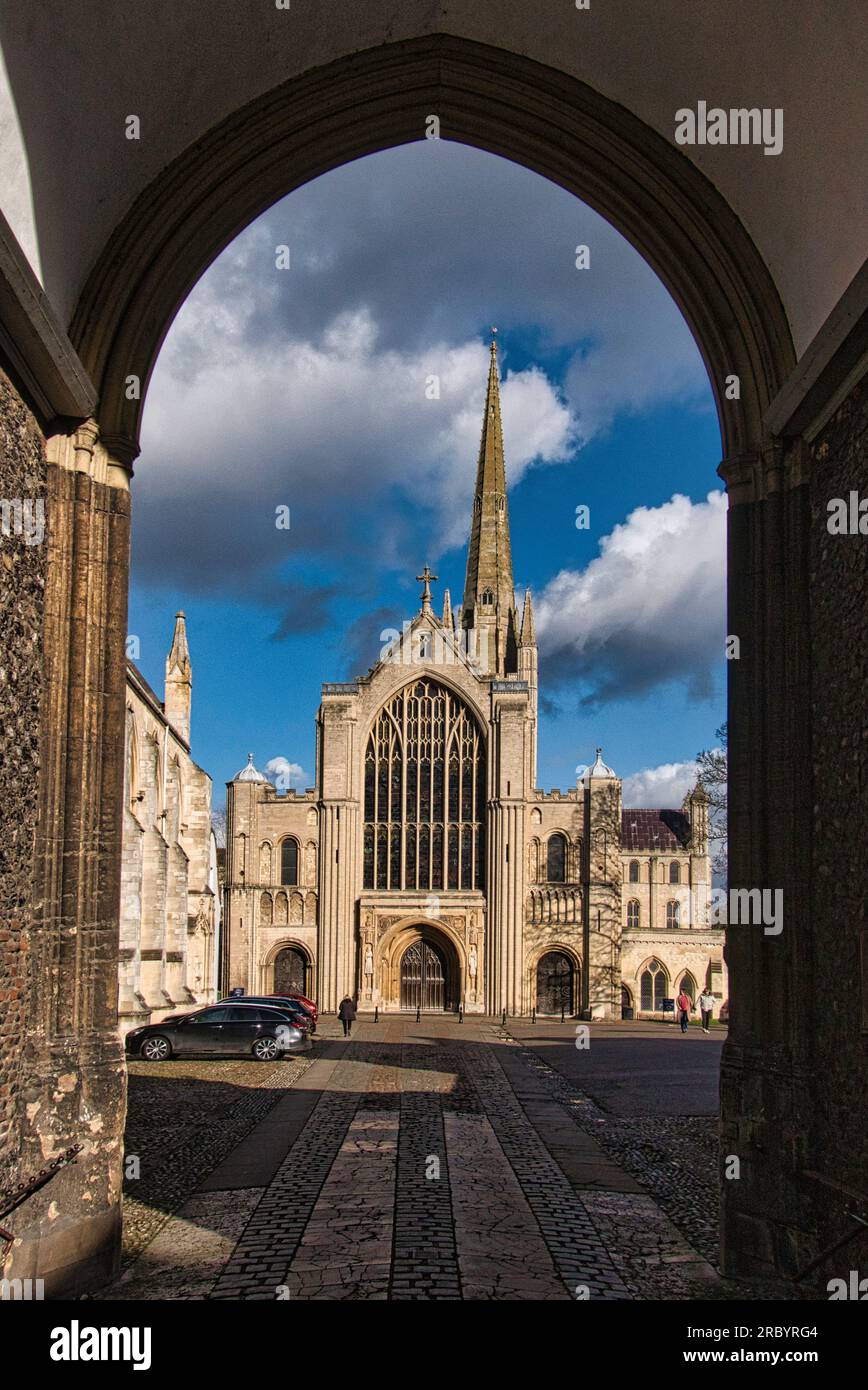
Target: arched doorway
554,983
423,978
707,260
290,971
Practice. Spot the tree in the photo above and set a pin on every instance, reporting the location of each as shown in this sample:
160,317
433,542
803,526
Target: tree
711,767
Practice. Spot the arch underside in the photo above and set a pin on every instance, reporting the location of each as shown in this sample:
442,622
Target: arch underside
484,97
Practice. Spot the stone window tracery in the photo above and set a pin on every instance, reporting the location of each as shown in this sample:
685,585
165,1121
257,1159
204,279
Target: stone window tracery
653,986
424,793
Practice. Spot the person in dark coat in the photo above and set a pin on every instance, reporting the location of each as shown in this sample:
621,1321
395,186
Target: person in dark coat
347,1014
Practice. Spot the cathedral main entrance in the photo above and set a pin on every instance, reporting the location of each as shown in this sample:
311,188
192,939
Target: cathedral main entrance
423,978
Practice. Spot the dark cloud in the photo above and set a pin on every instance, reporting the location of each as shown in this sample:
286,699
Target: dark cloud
305,387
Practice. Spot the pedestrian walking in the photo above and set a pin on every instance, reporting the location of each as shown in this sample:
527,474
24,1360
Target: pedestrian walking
706,1008
347,1014
685,1004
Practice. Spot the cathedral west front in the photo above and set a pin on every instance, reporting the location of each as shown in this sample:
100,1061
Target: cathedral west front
427,870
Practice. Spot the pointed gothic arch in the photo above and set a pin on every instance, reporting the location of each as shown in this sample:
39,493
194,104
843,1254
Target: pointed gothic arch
424,792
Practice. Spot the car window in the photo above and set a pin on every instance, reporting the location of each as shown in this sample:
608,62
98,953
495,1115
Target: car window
211,1016
246,1014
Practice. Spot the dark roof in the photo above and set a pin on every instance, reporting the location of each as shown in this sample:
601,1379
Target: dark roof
664,831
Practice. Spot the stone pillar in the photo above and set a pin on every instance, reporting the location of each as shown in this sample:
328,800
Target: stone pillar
769,1077
73,1076
339,874
505,849
602,925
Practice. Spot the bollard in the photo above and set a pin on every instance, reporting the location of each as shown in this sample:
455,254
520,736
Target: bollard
503,1019
377,1013
461,1014
418,1013
533,1015
562,1013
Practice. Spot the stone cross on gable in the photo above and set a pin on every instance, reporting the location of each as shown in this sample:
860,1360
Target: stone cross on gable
425,578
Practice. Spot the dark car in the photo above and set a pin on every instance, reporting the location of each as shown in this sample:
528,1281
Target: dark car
221,1030
302,1014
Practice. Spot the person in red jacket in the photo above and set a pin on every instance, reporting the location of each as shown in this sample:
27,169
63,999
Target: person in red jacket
685,1004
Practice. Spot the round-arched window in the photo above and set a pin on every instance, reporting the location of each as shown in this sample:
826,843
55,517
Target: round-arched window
556,859
289,862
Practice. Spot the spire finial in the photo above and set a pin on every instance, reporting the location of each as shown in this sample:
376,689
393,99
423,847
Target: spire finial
425,578
249,759
493,341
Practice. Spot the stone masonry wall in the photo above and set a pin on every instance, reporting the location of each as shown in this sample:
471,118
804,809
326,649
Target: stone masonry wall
22,592
839,987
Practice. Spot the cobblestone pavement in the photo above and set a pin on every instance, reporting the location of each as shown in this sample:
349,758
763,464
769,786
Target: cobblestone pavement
417,1161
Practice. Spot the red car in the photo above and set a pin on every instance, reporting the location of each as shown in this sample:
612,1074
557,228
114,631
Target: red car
304,1009
302,999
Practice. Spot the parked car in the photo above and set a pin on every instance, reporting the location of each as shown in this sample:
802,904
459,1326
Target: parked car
221,1030
309,1004
302,1016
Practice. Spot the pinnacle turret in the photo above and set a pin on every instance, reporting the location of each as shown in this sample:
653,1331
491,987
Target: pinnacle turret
527,637
179,681
447,610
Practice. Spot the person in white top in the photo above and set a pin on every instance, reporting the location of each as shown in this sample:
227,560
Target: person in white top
706,1006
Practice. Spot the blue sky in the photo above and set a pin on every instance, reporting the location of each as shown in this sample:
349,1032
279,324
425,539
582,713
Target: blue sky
305,387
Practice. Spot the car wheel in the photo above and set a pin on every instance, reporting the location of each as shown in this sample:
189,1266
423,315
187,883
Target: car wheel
265,1049
157,1049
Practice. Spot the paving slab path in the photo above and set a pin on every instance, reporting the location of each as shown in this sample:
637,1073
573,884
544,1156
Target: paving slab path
431,1160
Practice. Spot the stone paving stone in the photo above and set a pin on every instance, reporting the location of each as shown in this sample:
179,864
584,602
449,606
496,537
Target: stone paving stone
424,1262
191,1249
183,1118
501,1253
415,1162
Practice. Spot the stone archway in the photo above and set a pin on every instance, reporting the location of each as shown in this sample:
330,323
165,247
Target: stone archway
563,129
420,966
485,96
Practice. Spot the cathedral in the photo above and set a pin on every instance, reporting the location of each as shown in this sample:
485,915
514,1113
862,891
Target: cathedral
426,870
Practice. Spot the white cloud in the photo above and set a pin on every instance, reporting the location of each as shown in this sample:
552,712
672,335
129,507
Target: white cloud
647,610
666,785
286,775
327,426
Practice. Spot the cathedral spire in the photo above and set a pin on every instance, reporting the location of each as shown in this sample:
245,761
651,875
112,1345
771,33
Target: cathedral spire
489,600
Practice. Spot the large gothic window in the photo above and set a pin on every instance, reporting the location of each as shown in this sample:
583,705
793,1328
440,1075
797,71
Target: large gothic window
424,793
